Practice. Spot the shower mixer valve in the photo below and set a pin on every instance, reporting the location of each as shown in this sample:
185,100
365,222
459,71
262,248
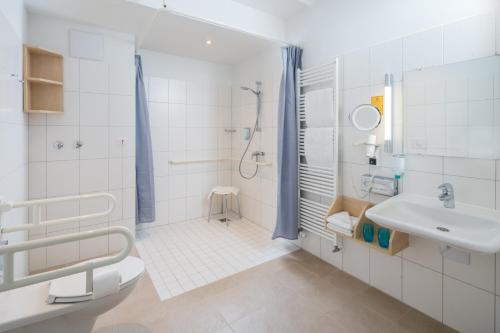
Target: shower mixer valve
258,154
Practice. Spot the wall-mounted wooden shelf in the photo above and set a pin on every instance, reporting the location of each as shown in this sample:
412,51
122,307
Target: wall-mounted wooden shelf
43,81
355,207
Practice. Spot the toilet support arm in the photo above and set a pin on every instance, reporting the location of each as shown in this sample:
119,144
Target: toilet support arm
37,204
87,266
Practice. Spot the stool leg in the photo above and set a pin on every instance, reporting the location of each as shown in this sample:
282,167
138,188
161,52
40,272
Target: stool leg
239,207
210,208
227,217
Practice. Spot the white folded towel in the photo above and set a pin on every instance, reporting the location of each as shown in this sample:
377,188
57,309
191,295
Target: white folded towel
318,146
319,108
341,222
342,219
106,283
336,228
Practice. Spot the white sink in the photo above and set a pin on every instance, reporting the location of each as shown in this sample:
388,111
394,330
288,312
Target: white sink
468,227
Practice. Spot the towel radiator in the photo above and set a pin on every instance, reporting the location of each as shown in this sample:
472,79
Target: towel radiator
87,266
317,184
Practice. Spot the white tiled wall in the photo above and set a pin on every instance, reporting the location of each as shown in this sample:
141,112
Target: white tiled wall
99,111
13,123
190,108
257,196
188,120
461,296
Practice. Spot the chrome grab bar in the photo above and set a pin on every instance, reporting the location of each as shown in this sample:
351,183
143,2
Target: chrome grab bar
36,204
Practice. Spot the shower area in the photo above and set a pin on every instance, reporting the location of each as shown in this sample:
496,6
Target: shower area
214,138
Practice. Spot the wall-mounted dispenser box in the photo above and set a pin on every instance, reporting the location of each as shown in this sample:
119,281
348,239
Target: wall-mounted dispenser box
379,185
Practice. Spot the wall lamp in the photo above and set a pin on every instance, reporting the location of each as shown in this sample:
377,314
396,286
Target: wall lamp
388,115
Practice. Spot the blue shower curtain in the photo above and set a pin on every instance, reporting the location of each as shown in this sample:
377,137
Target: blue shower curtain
287,217
145,187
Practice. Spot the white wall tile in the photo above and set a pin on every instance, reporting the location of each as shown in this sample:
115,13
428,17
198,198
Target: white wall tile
158,90
94,76
466,308
385,273
424,49
481,113
37,181
68,135
424,252
161,189
121,141
94,109
62,178
177,91
37,140
422,183
129,172
480,272
121,110
478,33
357,69
497,315
423,289
473,191
158,114
468,167
94,141
93,175
71,74
194,93
128,207
177,210
356,260
311,243
177,115
498,195
121,79
327,254
386,58
423,163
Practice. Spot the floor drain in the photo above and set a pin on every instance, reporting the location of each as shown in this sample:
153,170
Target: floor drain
443,229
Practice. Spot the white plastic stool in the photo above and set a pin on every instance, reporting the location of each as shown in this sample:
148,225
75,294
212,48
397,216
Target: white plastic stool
225,191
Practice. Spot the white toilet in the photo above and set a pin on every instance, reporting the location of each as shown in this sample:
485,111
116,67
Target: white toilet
25,310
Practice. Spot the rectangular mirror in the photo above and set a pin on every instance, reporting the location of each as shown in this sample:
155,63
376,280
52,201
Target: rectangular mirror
454,110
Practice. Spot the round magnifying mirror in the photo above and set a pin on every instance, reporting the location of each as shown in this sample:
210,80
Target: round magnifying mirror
365,117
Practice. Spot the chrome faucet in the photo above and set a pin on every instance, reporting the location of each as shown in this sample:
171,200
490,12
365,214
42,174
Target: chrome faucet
447,195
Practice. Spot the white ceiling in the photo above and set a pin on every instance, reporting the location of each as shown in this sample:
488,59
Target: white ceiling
186,37
280,8
159,31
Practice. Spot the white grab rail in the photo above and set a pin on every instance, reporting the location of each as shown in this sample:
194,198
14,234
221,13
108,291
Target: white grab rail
36,204
176,162
87,266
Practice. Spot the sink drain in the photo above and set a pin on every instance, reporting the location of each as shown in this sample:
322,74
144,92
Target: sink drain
443,229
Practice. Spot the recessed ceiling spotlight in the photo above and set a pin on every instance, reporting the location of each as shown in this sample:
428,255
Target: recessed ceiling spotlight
208,42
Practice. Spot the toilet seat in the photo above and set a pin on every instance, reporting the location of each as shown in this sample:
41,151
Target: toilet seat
71,289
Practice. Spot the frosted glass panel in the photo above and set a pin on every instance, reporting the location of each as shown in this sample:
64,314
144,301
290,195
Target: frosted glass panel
454,110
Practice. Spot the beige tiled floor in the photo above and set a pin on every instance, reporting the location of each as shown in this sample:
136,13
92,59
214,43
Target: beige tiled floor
294,293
